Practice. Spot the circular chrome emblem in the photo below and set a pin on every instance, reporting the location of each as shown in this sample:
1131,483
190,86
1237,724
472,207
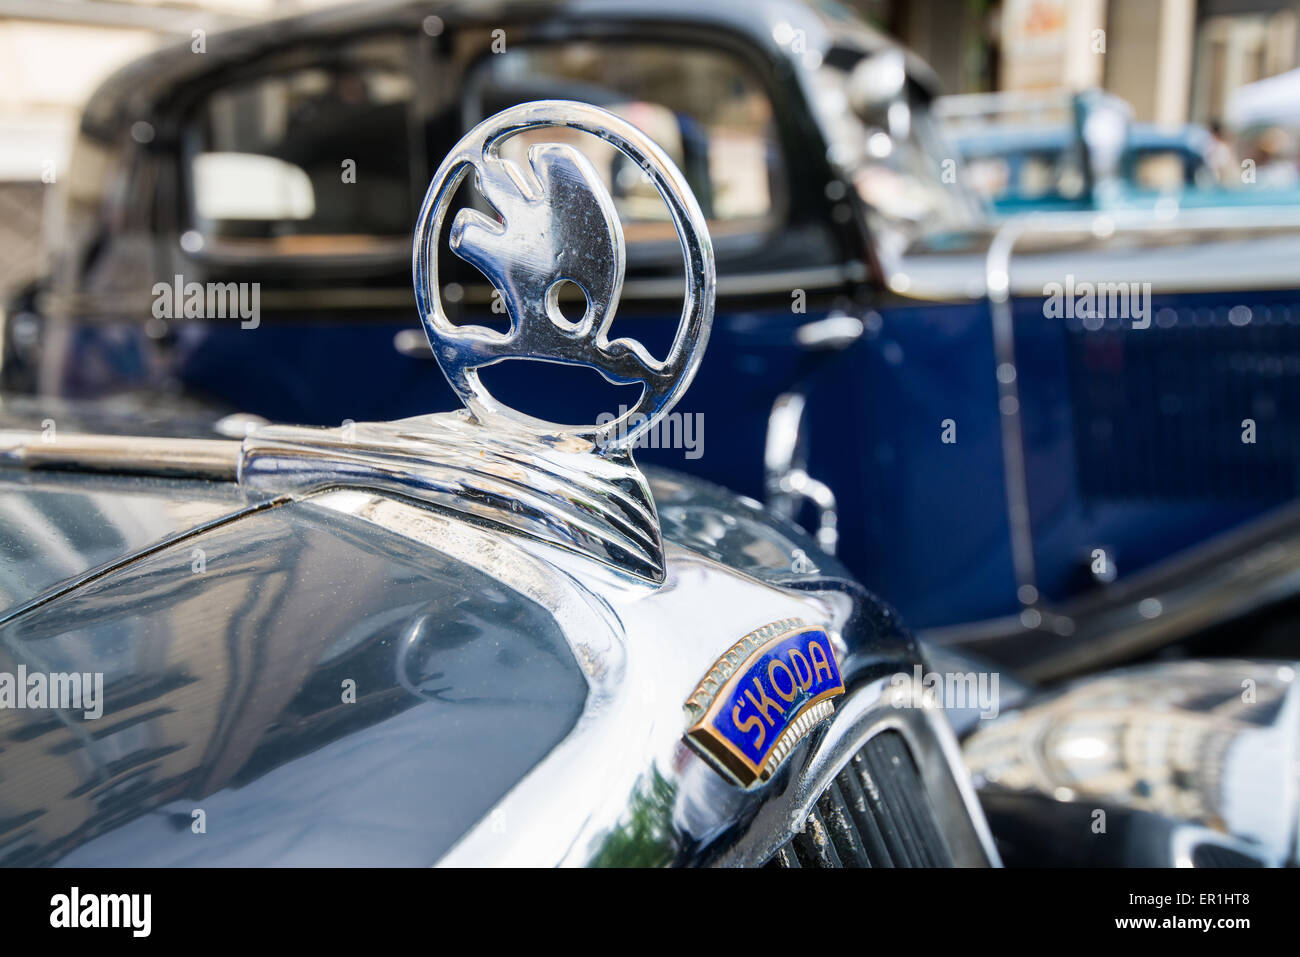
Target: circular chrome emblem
557,223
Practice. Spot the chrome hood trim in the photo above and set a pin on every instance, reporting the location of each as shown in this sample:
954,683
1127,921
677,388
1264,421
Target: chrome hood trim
558,491
207,459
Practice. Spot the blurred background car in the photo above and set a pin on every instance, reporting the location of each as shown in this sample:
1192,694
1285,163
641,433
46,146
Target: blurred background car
1055,152
1026,153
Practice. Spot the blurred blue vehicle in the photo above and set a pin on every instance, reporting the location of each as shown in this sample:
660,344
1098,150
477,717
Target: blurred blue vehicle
1060,152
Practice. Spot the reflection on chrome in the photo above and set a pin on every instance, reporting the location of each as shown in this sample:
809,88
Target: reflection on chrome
1215,744
789,485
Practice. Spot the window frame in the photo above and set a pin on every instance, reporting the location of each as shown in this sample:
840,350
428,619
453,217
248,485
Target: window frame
302,56
660,251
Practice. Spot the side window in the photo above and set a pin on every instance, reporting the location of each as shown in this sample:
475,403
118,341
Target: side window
313,159
1161,170
703,106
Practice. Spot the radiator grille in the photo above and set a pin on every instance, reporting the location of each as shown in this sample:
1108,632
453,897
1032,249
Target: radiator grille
1215,855
1158,412
875,814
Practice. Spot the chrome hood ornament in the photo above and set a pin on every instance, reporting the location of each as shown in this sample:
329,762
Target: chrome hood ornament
558,223
575,486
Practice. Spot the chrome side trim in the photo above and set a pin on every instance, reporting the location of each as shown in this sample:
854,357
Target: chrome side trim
1187,252
997,275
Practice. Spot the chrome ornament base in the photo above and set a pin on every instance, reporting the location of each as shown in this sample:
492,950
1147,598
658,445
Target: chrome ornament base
553,489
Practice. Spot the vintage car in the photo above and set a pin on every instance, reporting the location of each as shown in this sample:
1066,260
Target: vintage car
460,638
487,638
1060,441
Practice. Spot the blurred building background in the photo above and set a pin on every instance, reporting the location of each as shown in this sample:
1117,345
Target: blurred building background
1175,61
53,53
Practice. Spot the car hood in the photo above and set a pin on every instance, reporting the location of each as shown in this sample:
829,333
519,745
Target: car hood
355,677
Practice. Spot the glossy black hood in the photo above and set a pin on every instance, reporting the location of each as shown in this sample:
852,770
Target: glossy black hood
321,692
286,684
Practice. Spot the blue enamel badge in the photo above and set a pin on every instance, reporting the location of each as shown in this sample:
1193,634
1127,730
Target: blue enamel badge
761,697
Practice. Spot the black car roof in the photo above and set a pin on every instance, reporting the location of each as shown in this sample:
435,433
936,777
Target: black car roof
129,94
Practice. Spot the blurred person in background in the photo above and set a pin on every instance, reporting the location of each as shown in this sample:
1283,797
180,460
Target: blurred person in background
1222,158
1274,159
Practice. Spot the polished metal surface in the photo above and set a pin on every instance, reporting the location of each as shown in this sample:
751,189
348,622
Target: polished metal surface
572,486
374,553
59,530
332,693
1015,476
642,650
785,448
224,681
558,225
1188,842
1210,743
624,787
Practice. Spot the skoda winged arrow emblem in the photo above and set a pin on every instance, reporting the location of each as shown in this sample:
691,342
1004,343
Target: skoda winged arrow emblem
557,223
